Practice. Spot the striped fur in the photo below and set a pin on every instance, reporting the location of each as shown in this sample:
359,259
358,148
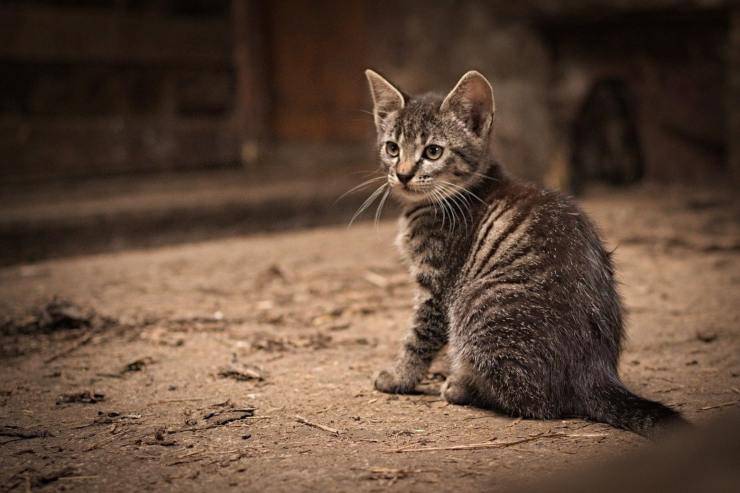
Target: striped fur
512,278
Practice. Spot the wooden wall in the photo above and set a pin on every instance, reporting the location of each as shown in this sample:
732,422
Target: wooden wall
94,87
318,56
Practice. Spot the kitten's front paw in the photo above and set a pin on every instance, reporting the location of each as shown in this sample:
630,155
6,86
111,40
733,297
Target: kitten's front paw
455,392
389,382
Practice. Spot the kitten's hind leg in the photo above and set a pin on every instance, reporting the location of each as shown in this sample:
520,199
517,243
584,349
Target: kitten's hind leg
427,336
458,388
515,386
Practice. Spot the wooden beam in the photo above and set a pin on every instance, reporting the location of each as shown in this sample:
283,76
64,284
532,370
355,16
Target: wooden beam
48,34
733,95
250,19
39,148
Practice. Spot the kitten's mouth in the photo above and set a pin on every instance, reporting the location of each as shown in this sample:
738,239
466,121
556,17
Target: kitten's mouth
410,191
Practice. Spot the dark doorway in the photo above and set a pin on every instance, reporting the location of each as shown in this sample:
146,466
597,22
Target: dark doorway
606,145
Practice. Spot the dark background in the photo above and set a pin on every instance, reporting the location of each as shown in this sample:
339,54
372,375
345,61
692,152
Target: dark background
133,122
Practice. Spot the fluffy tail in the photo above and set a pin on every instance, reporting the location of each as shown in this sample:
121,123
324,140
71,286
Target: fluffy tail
615,405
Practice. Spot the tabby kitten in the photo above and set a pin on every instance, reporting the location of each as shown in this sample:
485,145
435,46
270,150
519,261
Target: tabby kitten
513,278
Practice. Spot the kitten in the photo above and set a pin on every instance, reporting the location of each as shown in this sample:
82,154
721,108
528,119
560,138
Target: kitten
513,278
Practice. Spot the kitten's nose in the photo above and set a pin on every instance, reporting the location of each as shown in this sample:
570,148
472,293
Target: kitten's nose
404,178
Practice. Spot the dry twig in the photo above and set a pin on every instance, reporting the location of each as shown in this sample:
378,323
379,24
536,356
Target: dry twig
306,422
82,341
77,478
22,434
376,279
717,406
473,446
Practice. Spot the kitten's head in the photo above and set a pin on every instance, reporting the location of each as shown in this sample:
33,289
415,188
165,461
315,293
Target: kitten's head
430,146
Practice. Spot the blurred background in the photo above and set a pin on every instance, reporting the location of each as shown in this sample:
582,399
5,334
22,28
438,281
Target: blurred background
128,123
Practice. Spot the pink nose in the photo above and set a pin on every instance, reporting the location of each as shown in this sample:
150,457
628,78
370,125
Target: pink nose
404,178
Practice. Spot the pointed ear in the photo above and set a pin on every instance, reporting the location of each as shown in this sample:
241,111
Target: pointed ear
386,98
471,100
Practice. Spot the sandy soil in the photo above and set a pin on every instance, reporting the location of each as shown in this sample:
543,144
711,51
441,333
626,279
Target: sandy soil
247,363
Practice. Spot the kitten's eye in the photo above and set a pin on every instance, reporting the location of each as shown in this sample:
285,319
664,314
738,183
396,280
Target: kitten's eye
391,148
433,152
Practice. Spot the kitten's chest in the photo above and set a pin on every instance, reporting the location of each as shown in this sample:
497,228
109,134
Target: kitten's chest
428,246
403,242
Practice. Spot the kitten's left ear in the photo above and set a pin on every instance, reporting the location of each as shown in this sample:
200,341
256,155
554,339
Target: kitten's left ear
472,101
386,97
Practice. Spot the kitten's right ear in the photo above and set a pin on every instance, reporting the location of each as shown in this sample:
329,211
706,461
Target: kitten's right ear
386,97
472,102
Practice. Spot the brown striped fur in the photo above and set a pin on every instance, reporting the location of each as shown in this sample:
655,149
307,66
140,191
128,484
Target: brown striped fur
511,277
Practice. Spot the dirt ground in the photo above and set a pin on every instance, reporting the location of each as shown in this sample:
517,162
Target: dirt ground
247,363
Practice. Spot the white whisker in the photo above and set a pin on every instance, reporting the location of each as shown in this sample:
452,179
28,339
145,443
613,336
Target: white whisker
485,176
464,190
367,202
447,206
453,197
358,187
379,210
439,200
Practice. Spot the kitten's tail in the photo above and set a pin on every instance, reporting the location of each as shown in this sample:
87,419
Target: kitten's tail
615,405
